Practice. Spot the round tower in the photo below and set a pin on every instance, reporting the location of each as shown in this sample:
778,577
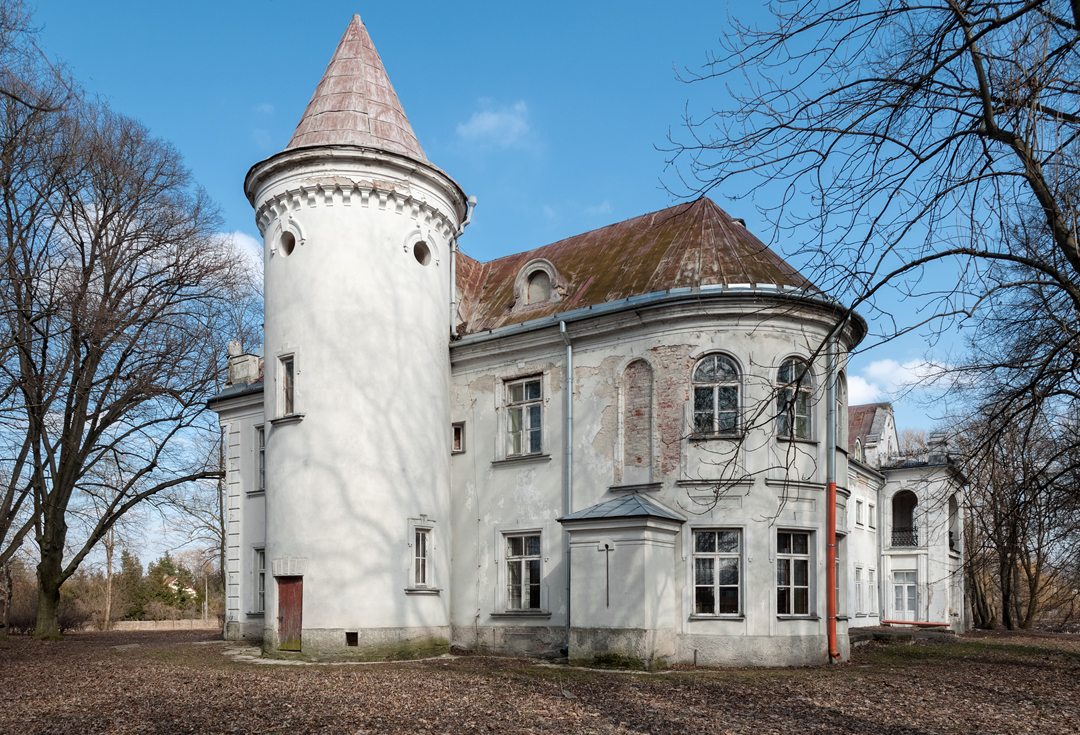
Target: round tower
358,228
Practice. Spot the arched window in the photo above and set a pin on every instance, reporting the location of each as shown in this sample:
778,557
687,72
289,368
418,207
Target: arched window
538,289
858,451
637,423
794,387
716,395
841,411
904,530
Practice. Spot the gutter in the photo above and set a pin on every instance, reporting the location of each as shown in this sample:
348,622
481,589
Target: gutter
568,458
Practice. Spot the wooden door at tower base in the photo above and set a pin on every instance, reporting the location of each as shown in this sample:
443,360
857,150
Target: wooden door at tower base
290,612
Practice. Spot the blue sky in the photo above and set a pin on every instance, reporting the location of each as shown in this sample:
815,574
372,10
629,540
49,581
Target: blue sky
549,113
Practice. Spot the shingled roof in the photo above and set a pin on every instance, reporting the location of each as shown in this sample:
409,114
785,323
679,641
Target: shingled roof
355,104
866,421
687,245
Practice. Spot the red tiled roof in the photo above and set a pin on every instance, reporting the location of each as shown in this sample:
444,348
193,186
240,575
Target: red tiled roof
688,245
861,422
355,103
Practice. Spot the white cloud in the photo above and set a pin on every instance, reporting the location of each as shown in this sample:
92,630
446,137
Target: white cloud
504,126
264,108
890,380
860,390
248,250
603,207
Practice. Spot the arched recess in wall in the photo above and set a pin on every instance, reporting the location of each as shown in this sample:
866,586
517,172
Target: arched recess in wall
637,423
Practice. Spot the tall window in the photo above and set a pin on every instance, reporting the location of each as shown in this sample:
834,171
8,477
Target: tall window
288,386
717,559
841,410
793,573
794,387
421,545
523,571
860,604
858,513
871,587
871,516
260,580
716,395
524,407
260,457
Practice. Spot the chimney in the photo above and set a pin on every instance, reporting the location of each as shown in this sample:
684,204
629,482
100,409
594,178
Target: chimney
244,368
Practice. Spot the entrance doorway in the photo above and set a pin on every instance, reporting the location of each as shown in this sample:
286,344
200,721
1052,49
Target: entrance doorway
905,595
290,612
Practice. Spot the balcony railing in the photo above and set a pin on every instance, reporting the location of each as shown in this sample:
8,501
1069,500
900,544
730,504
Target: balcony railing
905,537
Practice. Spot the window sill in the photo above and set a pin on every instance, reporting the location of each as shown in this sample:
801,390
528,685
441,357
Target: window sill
423,591
795,440
861,615
843,618
292,418
256,493
522,614
797,617
697,617
643,487
521,459
255,614
715,437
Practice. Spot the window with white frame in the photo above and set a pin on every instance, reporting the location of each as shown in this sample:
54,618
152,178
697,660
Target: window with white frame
841,410
858,513
872,593
860,604
793,573
421,558
524,416
260,459
523,571
259,569
457,437
288,385
871,518
717,571
717,384
794,389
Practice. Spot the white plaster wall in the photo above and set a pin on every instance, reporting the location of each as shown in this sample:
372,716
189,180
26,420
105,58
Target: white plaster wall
785,489
862,548
367,325
244,514
940,578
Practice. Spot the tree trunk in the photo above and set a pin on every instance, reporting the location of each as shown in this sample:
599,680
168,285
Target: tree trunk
48,607
50,577
110,545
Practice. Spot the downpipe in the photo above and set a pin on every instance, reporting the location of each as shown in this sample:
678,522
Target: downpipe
568,458
830,502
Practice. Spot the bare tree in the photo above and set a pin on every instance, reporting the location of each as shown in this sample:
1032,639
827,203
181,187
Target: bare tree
903,145
115,302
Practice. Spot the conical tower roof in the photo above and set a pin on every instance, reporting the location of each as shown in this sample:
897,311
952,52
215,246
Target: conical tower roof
355,104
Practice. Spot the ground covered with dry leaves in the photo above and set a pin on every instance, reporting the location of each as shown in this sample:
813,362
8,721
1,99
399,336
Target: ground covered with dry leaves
182,682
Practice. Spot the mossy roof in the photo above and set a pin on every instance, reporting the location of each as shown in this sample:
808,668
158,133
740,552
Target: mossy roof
688,245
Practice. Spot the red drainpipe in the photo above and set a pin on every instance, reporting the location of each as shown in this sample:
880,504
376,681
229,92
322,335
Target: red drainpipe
830,569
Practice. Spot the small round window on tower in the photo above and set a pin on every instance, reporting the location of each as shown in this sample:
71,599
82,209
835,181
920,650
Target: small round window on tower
422,253
288,242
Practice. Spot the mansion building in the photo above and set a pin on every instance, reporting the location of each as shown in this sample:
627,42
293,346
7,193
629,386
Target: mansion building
614,447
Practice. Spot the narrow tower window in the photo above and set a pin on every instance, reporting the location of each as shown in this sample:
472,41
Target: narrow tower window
288,386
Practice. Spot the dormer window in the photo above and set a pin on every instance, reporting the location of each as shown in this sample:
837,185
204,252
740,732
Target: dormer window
538,288
537,283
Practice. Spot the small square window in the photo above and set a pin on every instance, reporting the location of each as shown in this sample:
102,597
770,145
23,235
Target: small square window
457,438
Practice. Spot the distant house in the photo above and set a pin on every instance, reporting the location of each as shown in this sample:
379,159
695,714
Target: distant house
613,447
